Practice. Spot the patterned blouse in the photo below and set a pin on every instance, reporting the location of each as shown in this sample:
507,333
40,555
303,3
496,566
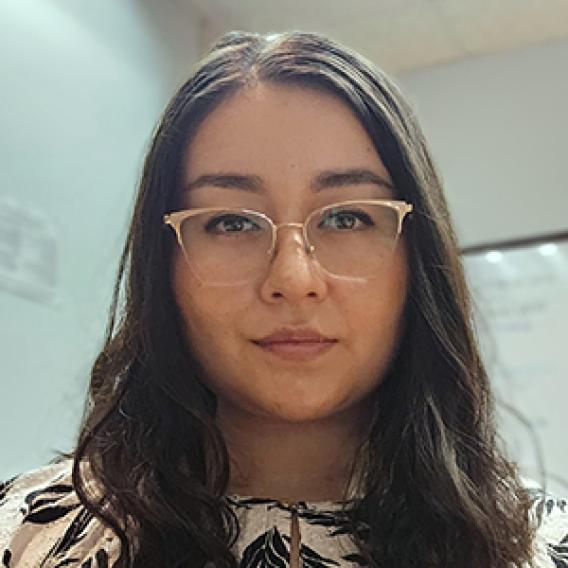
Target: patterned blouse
43,524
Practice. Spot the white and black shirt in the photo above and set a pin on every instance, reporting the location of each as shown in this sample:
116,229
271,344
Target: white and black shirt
43,524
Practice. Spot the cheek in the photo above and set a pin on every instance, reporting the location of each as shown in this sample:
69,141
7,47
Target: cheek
376,326
376,320
208,314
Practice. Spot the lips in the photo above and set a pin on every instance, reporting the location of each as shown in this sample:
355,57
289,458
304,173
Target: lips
294,336
296,345
296,341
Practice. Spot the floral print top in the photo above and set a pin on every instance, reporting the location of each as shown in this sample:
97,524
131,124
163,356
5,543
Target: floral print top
43,524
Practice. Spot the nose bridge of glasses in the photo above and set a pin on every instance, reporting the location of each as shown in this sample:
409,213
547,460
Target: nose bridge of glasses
301,226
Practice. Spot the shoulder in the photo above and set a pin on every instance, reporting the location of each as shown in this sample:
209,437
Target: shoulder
18,493
549,515
41,517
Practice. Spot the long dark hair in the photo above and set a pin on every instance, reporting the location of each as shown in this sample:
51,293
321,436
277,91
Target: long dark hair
437,491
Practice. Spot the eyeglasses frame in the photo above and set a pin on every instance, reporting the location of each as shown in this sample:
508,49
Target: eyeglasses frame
176,218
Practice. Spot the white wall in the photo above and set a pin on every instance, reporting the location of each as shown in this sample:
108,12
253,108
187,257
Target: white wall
497,125
81,88
498,129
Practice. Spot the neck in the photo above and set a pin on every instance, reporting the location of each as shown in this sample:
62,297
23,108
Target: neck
291,461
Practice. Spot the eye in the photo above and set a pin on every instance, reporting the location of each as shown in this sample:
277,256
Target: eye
231,223
344,219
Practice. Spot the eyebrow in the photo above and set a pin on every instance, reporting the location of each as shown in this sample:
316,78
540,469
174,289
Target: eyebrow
325,179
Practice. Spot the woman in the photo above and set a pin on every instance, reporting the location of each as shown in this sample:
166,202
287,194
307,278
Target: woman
291,378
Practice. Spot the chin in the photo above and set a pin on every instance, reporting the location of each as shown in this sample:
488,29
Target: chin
297,411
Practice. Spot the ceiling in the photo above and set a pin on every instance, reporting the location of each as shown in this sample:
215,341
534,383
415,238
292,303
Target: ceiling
399,35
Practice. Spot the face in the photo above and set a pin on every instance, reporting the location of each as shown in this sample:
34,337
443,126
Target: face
286,136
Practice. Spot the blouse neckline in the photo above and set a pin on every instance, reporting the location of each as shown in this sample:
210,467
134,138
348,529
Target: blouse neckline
251,500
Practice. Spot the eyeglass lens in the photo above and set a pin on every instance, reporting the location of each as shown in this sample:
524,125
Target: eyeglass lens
231,246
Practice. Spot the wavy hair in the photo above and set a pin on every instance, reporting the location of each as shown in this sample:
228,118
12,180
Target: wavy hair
436,488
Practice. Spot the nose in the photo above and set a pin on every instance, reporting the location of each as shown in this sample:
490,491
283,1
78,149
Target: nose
293,273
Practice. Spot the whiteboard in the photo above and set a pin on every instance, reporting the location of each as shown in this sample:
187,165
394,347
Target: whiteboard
520,299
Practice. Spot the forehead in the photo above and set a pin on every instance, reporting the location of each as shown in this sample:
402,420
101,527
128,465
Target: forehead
283,135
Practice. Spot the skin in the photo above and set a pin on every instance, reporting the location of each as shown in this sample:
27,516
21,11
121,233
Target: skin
291,427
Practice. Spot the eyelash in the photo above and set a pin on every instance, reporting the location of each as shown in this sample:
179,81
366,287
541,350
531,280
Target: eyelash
212,224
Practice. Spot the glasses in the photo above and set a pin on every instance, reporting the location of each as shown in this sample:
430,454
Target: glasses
230,246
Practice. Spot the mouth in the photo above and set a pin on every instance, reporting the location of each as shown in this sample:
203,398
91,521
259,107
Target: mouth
295,349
